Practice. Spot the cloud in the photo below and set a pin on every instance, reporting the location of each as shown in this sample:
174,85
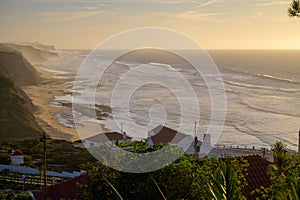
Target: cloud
207,3
195,15
257,15
69,16
272,3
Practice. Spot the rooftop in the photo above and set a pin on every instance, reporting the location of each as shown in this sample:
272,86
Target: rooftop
162,134
109,136
257,175
65,190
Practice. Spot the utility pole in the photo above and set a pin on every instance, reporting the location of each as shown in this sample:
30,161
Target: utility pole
299,143
43,139
195,141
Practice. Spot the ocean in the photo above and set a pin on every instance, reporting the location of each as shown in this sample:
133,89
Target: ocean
262,94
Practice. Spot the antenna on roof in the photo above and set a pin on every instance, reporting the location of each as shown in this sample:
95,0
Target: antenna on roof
195,129
195,141
121,127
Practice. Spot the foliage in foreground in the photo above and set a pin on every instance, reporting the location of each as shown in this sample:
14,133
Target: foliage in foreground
23,196
294,9
186,178
284,175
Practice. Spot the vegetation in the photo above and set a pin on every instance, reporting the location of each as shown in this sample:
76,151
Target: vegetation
284,174
16,119
59,152
186,178
225,184
22,196
294,9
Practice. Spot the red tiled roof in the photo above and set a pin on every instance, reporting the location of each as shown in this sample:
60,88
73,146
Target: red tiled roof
104,137
65,190
257,175
17,152
165,135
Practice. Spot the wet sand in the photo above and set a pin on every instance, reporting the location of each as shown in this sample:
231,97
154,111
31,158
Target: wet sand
41,95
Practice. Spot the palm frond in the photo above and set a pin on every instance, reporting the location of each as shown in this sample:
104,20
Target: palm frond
294,9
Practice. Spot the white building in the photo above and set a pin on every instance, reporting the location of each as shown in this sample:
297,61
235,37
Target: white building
16,157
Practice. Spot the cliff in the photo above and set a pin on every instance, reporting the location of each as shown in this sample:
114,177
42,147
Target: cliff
15,66
35,53
17,120
16,109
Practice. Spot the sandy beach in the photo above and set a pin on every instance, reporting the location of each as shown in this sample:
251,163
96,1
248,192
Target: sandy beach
41,95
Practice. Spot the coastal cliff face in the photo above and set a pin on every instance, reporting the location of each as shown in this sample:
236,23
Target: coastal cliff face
17,67
16,108
35,53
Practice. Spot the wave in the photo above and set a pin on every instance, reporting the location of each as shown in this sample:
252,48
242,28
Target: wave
260,87
267,110
232,91
265,76
67,120
276,78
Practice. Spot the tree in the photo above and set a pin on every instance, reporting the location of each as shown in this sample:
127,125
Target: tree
294,9
4,157
284,175
186,178
224,183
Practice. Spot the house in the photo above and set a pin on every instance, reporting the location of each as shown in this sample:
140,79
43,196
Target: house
166,135
16,157
69,189
101,138
257,175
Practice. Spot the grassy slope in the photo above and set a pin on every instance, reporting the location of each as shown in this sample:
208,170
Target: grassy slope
16,118
19,69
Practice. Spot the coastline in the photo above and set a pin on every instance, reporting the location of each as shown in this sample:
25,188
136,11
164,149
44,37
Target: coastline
44,93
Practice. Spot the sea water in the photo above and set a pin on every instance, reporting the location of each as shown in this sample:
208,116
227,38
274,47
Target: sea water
262,92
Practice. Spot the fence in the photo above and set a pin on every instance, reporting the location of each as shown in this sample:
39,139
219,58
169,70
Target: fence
33,171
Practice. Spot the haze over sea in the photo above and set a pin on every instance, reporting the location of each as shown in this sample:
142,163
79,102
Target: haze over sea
262,90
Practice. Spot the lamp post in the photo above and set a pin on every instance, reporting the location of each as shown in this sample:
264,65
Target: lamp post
299,143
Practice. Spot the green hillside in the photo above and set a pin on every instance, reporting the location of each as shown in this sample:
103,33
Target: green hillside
16,119
16,108
18,68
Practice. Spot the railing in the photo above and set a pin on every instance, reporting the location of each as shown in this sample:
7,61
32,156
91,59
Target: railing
31,179
33,171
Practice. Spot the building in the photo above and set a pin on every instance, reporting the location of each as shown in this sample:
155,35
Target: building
166,135
257,176
16,157
70,189
102,138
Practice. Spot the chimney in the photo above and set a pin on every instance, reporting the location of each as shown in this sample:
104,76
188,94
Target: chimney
207,139
124,136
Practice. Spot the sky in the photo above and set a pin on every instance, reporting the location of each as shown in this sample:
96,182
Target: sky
214,24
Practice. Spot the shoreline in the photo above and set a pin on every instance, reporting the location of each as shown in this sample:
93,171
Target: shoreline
41,95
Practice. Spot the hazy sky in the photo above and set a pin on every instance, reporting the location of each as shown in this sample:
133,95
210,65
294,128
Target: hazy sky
82,24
